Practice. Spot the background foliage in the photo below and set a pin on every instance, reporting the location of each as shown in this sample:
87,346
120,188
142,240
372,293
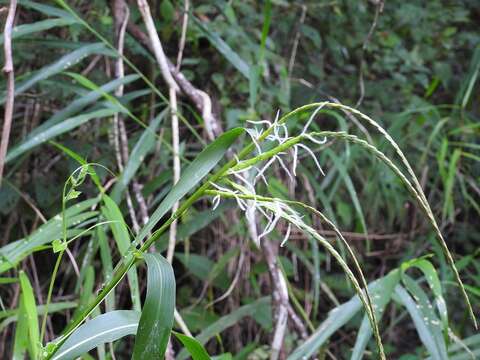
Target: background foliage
418,65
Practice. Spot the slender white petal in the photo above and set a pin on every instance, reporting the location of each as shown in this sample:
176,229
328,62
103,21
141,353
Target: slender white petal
250,187
233,172
259,208
221,188
275,131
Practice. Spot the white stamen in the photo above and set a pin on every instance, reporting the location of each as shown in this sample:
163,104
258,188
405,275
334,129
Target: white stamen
287,235
295,155
216,202
265,167
254,139
312,117
313,156
259,122
277,116
271,225
312,139
234,172
282,164
260,175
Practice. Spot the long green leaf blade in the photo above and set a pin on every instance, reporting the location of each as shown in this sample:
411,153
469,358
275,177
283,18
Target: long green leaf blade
78,104
31,314
432,341
224,49
38,26
102,329
140,150
254,309
156,320
122,238
56,130
60,65
191,176
12,253
381,296
337,318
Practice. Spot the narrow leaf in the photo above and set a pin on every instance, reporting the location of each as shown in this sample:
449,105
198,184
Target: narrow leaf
144,144
254,309
338,317
21,340
381,296
14,252
224,49
422,325
31,314
102,329
78,104
56,130
196,350
122,238
60,65
156,320
191,176
21,30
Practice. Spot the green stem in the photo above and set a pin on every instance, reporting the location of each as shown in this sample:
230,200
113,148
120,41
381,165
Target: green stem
49,295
